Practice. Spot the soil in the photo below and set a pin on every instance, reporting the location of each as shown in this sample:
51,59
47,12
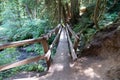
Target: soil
106,44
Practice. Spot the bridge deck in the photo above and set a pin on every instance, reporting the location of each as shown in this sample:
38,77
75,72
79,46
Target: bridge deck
62,67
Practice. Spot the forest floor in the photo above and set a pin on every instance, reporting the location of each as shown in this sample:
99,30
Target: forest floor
63,68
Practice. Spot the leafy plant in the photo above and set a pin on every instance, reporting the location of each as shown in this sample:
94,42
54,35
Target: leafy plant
8,55
37,48
28,67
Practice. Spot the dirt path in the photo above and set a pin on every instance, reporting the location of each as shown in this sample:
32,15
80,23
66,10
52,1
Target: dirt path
62,68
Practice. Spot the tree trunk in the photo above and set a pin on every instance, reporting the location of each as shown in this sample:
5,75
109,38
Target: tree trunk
68,12
96,14
28,11
35,9
64,14
59,11
74,11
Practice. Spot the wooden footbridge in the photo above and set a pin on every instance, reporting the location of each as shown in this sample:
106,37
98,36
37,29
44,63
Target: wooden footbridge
66,48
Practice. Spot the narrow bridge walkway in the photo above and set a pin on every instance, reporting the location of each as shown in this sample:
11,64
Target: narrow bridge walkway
62,67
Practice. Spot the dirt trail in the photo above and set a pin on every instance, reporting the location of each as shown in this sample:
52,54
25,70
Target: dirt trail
63,68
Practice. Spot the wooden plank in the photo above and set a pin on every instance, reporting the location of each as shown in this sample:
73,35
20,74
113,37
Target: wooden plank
72,32
45,45
76,42
57,36
48,54
20,43
73,54
20,63
29,41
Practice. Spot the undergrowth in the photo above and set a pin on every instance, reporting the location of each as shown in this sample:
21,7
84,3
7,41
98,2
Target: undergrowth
11,55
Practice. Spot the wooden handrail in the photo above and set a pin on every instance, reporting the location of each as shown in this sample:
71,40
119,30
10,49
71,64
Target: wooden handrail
54,42
76,37
20,63
20,43
73,54
42,39
54,31
72,32
29,41
48,54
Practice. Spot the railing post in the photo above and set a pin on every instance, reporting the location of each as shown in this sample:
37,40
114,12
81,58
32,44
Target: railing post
76,42
45,45
56,31
70,34
46,48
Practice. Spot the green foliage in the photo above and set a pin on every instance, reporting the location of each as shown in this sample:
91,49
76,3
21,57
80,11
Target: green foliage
21,22
8,55
28,67
89,34
8,73
108,19
37,48
11,55
36,67
29,29
111,17
50,40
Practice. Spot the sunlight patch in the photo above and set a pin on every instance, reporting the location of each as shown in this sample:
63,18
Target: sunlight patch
27,79
90,72
59,67
1,28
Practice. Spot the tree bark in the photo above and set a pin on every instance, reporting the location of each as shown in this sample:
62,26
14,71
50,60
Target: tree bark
96,14
64,14
74,11
68,12
28,11
59,11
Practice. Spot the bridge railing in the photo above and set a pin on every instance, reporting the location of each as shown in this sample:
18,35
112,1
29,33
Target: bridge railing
73,46
42,40
76,37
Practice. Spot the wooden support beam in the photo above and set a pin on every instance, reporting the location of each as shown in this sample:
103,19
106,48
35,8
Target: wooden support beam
76,37
48,54
45,45
73,54
20,63
20,43
46,48
43,40
29,41
71,32
76,42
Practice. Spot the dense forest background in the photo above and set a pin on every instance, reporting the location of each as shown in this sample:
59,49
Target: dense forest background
33,18
27,19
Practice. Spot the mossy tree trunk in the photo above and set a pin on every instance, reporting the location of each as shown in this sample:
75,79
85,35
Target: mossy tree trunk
74,11
59,10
